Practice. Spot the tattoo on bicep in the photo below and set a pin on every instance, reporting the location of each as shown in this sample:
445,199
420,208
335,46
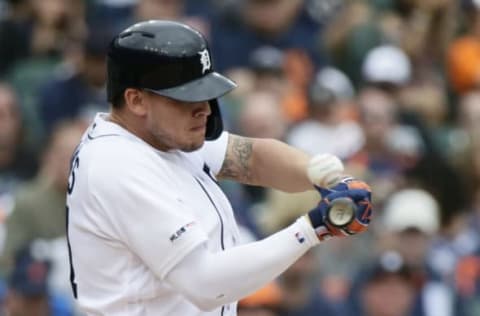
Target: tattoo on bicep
237,164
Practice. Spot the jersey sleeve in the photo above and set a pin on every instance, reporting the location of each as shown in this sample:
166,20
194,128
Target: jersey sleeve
225,276
213,152
137,200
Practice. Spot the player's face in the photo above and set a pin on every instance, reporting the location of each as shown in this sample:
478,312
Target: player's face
177,124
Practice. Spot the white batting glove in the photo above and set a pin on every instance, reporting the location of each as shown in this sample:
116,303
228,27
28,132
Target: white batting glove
325,170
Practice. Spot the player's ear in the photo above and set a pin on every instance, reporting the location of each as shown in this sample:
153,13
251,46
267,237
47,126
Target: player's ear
135,101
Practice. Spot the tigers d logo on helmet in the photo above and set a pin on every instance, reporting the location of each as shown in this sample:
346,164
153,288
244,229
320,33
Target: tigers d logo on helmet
205,60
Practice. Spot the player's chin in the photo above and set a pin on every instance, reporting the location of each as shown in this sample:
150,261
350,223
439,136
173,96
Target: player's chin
194,143
192,147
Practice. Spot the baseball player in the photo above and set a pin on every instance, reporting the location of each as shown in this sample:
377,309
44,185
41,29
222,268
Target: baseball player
150,231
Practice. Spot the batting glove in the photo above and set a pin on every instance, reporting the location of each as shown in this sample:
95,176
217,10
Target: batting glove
347,183
359,193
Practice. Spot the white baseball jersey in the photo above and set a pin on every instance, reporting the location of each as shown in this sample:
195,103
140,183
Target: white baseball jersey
134,212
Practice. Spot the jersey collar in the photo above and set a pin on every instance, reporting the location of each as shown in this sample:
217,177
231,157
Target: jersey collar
102,127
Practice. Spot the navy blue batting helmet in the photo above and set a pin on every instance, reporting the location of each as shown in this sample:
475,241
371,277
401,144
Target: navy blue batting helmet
170,59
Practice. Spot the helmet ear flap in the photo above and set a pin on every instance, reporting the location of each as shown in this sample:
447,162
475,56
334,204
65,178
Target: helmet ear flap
214,121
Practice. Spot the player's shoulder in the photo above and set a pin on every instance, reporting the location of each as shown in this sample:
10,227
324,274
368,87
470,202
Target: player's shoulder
118,151
116,164
116,156
113,144
107,142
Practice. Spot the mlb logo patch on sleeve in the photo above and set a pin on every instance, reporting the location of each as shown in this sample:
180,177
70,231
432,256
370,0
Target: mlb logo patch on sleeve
300,237
181,231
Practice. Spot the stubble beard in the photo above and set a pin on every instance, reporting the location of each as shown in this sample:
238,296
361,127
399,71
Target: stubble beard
166,140
191,148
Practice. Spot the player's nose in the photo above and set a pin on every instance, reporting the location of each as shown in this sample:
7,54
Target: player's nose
202,109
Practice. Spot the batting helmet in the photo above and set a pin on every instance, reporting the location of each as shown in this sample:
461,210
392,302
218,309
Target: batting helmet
170,59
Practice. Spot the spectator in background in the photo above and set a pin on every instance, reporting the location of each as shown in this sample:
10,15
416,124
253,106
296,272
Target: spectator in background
427,27
327,130
378,118
55,22
388,288
410,222
456,251
280,23
39,40
265,74
463,54
28,286
422,28
418,159
350,34
239,41
12,31
78,92
261,116
338,82
120,14
170,10
467,134
410,219
273,71
465,141
469,117
268,66
28,290
421,104
159,9
17,163
467,284
467,155
387,67
39,209
428,101
39,29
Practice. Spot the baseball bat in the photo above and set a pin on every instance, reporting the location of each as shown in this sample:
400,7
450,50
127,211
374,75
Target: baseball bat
325,170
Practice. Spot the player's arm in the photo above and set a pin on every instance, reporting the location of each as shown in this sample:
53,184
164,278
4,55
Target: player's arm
210,280
265,162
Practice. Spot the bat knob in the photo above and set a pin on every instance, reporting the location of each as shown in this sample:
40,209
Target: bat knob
341,212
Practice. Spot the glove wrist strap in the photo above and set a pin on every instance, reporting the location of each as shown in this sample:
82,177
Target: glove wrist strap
323,233
320,232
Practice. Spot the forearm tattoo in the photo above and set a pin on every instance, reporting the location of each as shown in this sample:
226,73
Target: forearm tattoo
237,164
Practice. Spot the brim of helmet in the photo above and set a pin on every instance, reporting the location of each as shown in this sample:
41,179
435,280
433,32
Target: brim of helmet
209,87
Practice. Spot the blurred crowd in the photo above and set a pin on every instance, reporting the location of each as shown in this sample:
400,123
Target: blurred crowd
390,86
